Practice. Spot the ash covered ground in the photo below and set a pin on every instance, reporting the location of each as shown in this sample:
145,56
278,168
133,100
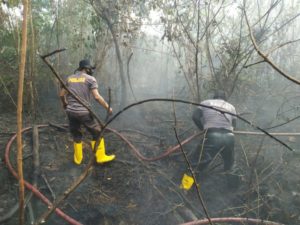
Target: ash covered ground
133,191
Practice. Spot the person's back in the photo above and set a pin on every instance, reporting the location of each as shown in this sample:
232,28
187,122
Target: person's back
218,126
216,119
81,85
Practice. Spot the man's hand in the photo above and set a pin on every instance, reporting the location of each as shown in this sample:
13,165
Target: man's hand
110,111
101,100
62,96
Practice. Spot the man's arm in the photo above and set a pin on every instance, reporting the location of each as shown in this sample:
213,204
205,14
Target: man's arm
63,99
101,100
234,122
234,119
197,118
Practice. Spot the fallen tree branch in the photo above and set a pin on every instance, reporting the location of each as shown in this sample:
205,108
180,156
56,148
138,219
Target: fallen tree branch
261,133
233,219
36,155
49,187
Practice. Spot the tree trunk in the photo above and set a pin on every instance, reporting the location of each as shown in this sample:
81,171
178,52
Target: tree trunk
119,57
19,112
32,96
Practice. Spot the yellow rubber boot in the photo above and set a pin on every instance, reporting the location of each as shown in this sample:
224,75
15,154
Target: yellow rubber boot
101,156
78,153
186,182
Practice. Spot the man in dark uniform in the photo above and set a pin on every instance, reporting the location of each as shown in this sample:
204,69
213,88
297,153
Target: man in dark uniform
85,86
218,127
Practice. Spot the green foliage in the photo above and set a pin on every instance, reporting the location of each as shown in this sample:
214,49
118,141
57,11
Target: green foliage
9,55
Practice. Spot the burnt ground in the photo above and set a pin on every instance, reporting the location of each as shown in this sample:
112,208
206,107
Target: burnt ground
131,191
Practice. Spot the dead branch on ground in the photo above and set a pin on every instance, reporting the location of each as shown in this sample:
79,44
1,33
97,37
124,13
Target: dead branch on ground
233,219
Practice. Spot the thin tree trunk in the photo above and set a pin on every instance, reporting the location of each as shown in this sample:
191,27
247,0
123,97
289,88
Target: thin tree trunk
32,68
119,57
19,112
197,52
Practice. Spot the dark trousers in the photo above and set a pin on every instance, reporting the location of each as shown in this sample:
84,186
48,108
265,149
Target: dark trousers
85,119
216,141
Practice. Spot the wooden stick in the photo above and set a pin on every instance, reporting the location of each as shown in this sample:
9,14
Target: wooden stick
49,187
233,219
36,155
238,132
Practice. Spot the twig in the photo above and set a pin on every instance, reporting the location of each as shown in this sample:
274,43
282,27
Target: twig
31,213
255,63
53,53
261,133
7,133
36,155
49,187
7,92
55,143
215,157
59,127
279,125
266,59
281,45
244,153
128,76
202,147
234,220
72,207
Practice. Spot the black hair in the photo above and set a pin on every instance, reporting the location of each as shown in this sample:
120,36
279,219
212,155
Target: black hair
220,94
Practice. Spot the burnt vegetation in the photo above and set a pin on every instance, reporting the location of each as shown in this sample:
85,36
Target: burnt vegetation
155,61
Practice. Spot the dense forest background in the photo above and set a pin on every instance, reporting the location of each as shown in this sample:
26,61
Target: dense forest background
182,49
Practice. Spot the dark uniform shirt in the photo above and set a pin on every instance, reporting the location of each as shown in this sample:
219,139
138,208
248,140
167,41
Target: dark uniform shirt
81,85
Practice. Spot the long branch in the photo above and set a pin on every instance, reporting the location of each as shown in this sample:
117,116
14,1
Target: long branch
233,219
264,56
